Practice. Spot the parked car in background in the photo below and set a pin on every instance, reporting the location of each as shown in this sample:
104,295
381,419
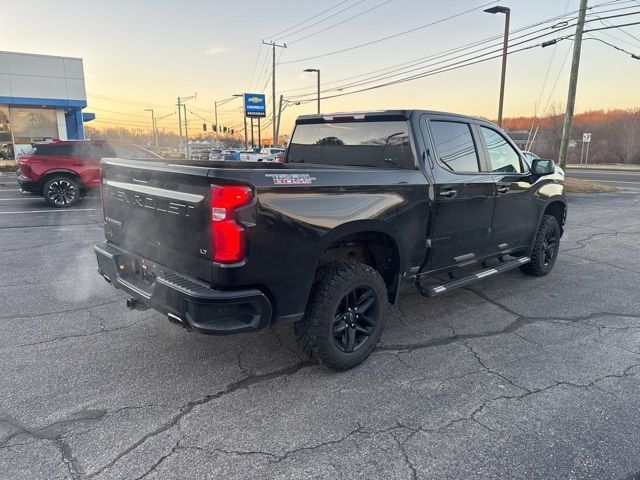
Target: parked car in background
245,155
267,154
231,155
63,172
6,151
215,154
530,157
203,154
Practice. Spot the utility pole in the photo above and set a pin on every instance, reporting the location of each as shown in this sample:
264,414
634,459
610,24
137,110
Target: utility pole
273,87
179,105
573,85
246,145
153,125
279,115
215,107
186,131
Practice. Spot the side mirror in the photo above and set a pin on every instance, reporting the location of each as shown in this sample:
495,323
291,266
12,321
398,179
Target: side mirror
541,167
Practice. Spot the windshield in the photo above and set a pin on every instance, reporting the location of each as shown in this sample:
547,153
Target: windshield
372,144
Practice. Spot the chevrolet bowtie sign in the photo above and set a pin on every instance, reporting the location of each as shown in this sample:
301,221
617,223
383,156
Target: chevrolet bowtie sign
255,105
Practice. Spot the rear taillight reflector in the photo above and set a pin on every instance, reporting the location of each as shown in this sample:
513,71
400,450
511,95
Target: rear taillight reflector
228,239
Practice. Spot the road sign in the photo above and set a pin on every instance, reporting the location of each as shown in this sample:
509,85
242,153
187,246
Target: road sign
255,105
586,137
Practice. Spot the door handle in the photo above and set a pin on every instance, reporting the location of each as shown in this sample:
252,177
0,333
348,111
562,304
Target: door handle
503,189
449,193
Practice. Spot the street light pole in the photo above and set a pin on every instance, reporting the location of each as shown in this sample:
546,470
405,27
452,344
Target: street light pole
153,125
317,70
505,45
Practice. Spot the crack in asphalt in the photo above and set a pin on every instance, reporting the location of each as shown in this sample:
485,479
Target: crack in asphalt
602,262
159,461
187,408
584,242
490,370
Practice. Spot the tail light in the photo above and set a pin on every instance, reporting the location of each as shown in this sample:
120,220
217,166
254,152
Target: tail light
228,238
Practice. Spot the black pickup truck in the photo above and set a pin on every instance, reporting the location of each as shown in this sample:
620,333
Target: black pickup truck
363,203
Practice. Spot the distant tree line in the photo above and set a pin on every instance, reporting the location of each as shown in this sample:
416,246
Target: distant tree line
615,134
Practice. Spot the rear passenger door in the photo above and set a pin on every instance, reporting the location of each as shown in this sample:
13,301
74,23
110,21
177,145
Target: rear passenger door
515,213
464,195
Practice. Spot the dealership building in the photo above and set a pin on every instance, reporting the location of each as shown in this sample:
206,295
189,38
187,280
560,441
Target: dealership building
41,98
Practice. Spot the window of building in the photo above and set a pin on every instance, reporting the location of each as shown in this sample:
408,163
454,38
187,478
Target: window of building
33,124
455,146
501,154
6,142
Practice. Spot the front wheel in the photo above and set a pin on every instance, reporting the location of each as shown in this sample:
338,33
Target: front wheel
345,315
545,248
61,192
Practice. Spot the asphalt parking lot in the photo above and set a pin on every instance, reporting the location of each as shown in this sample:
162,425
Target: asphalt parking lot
516,377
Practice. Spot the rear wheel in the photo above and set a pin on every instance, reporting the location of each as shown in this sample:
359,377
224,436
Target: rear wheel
61,191
345,316
545,248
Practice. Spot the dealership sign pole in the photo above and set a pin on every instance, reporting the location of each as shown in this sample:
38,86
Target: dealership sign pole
255,106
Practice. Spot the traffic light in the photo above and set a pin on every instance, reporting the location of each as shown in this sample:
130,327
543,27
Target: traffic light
215,128
204,127
232,132
224,129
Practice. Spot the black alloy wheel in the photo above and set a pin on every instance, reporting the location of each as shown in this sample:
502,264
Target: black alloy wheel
545,248
549,247
61,192
345,315
355,318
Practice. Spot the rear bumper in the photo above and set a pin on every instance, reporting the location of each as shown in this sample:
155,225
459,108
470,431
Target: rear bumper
28,185
184,299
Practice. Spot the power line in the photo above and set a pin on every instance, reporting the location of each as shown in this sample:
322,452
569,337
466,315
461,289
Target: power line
129,101
420,60
307,20
440,21
280,38
436,71
591,37
339,23
395,35
400,72
555,83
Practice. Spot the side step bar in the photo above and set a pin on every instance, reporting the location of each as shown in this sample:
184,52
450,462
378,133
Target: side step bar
470,279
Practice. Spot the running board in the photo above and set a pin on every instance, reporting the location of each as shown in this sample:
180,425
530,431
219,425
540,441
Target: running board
470,279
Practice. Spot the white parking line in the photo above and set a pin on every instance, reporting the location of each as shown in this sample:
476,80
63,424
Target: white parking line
20,198
52,211
617,181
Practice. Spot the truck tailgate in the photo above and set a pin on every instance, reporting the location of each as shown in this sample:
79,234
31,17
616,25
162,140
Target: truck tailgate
159,211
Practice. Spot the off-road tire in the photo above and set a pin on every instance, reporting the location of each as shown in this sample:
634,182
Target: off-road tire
315,332
61,191
542,263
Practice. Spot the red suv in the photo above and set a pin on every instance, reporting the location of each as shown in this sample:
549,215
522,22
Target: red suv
65,171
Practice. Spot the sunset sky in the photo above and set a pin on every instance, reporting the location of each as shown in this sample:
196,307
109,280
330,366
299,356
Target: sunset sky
144,54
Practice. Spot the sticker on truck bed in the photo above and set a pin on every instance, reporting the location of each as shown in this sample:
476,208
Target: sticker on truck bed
291,178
